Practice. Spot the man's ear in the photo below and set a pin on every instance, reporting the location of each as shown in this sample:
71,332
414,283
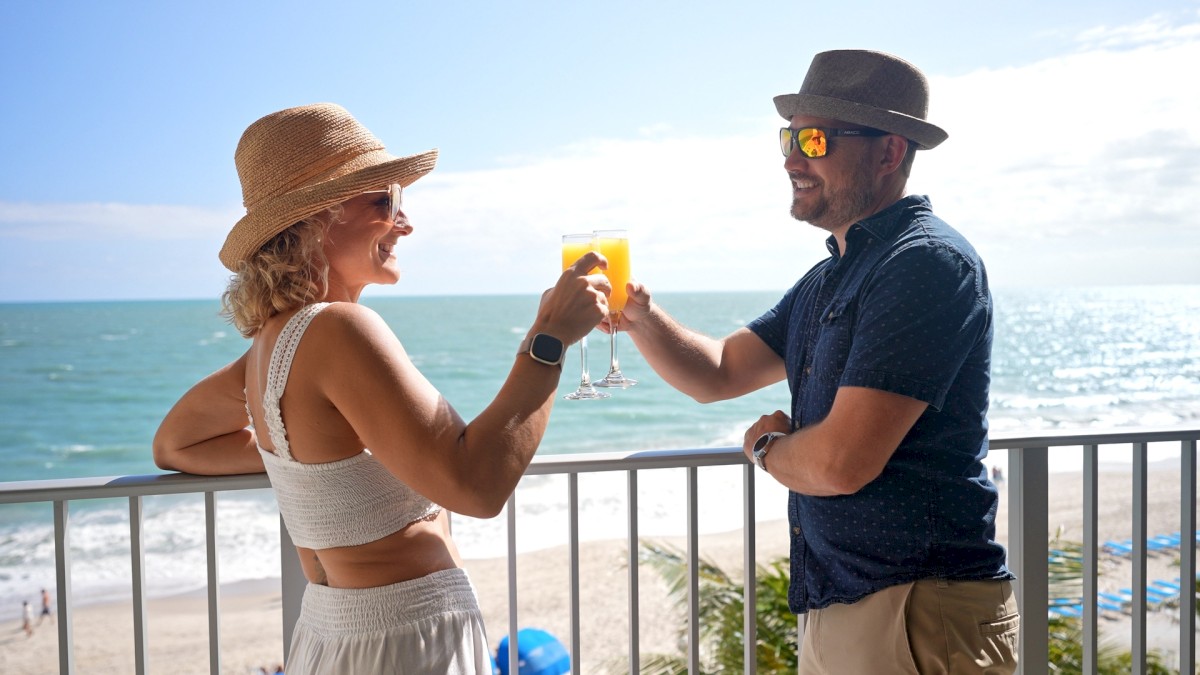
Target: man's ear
894,149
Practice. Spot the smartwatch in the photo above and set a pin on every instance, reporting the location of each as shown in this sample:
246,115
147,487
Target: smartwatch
763,445
545,349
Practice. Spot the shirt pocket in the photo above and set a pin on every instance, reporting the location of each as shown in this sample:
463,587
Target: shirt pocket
831,348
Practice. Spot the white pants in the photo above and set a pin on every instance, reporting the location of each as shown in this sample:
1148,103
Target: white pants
427,625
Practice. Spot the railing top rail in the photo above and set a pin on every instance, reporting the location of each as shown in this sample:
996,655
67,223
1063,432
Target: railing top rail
1094,437
635,460
177,483
125,486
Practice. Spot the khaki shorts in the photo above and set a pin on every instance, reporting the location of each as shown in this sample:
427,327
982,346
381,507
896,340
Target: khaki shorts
928,627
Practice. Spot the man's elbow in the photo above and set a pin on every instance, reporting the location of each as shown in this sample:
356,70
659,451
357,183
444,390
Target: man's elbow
712,392
848,480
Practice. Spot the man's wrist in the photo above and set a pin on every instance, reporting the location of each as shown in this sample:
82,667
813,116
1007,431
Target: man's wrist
763,445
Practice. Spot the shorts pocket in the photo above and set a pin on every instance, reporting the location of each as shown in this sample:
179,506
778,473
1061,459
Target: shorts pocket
999,645
1008,624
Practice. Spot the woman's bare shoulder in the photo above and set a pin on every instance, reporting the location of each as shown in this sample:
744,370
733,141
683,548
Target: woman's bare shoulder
346,319
352,331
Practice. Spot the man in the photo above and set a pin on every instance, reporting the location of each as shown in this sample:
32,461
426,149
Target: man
886,346
46,613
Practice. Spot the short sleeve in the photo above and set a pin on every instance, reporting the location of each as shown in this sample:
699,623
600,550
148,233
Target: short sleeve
772,326
924,311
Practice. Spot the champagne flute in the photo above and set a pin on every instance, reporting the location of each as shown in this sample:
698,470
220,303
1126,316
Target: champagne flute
574,247
614,245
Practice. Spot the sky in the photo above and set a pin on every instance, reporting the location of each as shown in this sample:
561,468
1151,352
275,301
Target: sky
1073,156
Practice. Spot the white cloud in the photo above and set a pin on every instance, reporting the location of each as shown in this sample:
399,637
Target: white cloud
1084,168
73,222
1089,158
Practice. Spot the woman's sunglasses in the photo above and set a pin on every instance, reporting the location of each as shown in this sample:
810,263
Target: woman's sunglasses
395,195
813,141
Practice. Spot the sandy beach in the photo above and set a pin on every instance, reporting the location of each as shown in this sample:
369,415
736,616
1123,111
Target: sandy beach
251,629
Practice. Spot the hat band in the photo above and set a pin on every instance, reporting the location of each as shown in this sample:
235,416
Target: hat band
331,167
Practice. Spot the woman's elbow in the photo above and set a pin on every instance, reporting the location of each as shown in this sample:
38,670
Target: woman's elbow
163,458
478,497
478,506
165,452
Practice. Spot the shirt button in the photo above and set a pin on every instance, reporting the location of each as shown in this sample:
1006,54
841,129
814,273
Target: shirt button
808,370
796,531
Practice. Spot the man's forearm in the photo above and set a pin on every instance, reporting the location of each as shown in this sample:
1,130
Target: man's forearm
687,360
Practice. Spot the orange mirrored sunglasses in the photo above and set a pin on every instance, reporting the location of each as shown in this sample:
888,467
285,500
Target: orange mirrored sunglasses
813,142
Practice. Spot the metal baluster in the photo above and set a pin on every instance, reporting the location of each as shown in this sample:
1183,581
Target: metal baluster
693,557
634,624
1028,535
62,570
573,527
1187,556
750,588
1140,527
513,667
1091,505
137,554
214,595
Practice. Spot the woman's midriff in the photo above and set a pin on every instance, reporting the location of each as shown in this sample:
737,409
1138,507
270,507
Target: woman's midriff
422,548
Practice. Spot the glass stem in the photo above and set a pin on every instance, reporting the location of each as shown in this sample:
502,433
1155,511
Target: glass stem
613,366
585,379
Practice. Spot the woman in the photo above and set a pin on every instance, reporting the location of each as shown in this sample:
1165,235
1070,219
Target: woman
386,590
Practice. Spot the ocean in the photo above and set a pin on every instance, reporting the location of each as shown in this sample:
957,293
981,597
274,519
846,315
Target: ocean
83,387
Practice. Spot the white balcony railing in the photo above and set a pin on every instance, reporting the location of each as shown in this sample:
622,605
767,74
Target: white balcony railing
1028,541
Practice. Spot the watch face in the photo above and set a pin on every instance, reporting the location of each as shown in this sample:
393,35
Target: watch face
547,349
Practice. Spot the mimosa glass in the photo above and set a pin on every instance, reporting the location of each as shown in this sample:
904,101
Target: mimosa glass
614,245
574,247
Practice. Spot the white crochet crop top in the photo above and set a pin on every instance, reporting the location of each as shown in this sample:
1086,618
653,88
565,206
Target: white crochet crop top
345,503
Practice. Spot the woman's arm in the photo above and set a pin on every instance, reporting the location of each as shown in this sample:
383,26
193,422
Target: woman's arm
469,468
206,430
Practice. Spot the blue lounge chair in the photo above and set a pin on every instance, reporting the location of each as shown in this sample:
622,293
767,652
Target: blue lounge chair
1124,548
1067,610
1119,599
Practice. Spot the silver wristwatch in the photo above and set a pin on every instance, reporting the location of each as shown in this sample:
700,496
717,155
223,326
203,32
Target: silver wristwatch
763,445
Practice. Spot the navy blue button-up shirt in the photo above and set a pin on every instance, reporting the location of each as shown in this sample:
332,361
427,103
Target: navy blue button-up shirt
907,310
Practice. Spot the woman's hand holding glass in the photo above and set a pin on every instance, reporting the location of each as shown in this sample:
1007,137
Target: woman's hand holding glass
579,257
576,304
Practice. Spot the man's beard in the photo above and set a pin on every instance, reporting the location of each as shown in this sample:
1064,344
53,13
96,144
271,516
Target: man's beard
840,206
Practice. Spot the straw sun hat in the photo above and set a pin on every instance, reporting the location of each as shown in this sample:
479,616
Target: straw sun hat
873,89
300,161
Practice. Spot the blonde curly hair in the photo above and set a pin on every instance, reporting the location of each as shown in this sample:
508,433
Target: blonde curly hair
287,272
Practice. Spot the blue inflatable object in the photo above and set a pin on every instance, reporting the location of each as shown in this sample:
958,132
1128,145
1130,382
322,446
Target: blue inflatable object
538,653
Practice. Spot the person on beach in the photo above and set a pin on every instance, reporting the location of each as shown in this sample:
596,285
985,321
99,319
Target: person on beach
366,458
27,618
886,347
46,613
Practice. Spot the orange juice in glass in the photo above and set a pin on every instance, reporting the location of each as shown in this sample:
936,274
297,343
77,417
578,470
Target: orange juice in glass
616,250
614,246
574,247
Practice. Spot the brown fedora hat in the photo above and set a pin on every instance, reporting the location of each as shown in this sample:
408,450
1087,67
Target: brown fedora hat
300,161
872,89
